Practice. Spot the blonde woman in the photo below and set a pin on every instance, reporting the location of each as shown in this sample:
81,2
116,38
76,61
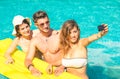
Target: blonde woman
74,48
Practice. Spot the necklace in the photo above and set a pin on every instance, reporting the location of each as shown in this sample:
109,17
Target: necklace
46,39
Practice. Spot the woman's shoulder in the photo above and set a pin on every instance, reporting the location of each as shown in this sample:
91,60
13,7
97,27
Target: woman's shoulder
16,39
83,41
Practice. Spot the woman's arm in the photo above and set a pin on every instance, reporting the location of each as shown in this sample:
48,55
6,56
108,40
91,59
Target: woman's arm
99,34
87,41
10,50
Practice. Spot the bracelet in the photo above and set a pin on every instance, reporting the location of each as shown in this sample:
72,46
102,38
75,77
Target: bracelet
29,66
65,69
98,36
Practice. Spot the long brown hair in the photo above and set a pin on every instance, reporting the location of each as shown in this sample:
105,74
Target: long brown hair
65,33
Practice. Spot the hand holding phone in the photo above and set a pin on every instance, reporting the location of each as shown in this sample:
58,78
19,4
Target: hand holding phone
101,27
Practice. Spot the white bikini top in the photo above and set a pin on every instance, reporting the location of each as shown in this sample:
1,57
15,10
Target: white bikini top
74,62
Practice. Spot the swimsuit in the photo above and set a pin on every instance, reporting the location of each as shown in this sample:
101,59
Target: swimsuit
74,62
19,47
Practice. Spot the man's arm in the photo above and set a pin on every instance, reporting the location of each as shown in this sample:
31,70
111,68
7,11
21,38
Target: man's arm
29,57
30,54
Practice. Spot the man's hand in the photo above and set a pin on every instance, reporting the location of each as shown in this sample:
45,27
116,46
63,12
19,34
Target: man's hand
49,69
35,71
59,70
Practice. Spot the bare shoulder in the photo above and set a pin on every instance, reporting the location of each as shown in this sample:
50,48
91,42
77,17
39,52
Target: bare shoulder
84,41
56,32
36,40
35,32
16,39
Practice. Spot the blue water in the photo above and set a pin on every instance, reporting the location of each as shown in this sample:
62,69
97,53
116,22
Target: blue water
3,77
103,54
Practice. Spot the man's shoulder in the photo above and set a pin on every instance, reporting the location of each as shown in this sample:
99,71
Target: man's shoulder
35,39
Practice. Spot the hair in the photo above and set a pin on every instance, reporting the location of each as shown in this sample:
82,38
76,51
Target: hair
65,34
25,21
39,15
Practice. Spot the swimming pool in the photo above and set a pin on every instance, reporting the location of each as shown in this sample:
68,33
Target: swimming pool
103,54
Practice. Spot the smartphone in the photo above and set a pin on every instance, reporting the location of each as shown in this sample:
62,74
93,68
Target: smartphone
101,27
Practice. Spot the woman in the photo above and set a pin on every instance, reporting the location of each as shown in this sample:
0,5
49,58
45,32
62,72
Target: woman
74,48
23,36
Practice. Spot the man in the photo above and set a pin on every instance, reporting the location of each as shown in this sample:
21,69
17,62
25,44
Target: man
47,41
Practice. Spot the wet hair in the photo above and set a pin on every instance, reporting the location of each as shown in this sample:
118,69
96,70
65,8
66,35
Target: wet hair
65,34
25,21
39,15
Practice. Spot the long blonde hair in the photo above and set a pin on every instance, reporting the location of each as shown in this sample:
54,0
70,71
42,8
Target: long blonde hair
65,33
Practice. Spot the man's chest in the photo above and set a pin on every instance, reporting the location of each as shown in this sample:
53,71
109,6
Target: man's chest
48,46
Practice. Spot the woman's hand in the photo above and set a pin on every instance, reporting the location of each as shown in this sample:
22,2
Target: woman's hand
105,30
9,61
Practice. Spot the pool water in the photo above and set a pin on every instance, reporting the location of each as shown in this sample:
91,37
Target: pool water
103,54
3,77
